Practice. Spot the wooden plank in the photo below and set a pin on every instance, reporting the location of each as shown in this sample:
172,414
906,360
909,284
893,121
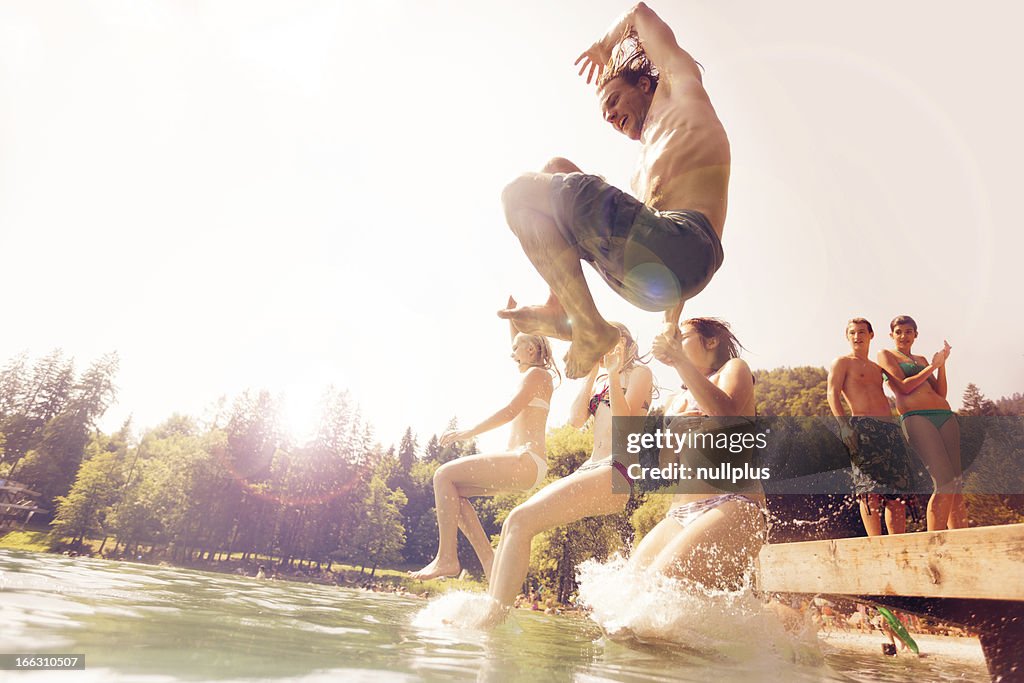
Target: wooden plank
981,563
14,487
32,508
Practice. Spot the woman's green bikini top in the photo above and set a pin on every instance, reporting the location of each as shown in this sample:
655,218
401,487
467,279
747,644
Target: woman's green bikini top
910,368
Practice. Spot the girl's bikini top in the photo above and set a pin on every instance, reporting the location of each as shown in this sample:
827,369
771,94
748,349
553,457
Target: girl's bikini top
538,402
910,367
597,399
602,397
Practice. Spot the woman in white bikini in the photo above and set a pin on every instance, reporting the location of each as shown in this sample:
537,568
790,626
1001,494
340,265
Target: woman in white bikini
520,468
709,536
587,492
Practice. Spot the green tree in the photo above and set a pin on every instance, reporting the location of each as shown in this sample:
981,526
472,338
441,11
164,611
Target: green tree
791,391
975,403
1011,405
83,511
380,535
70,410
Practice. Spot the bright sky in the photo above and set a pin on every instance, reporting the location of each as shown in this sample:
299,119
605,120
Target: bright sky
292,195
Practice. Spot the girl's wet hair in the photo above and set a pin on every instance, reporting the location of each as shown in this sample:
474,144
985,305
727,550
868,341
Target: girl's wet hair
631,356
716,328
902,320
546,359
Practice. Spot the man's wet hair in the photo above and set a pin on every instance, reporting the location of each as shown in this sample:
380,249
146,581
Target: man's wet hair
855,321
630,62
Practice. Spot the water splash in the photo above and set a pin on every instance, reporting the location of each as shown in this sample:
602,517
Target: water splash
637,606
460,610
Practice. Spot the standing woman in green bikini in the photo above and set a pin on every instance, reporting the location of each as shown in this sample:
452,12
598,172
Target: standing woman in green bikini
928,422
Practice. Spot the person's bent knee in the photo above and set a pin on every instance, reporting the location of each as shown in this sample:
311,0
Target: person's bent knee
517,522
560,165
512,194
442,474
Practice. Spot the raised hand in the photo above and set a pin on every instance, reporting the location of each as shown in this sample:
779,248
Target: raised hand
453,436
667,347
594,58
615,358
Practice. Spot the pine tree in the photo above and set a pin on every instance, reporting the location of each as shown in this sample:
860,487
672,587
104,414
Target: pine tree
975,403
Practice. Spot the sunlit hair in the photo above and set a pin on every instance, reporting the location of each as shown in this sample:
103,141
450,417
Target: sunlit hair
631,353
546,360
715,328
902,320
629,61
859,321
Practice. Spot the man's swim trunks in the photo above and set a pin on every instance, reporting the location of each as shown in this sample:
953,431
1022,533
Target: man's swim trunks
651,258
881,463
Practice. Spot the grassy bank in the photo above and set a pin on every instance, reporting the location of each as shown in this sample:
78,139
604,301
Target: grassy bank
36,541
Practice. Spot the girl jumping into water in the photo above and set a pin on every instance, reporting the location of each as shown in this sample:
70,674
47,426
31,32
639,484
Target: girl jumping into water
709,536
520,468
588,492
928,422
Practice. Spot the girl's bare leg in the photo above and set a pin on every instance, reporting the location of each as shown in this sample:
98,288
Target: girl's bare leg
647,551
581,495
870,514
468,476
895,516
927,442
471,528
716,549
951,437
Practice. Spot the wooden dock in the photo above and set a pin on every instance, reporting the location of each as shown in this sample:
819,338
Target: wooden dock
972,577
17,503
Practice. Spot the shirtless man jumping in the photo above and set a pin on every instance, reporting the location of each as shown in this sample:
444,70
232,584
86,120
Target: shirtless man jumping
656,252
880,462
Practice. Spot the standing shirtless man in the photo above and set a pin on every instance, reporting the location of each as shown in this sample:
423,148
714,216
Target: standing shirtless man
881,467
656,252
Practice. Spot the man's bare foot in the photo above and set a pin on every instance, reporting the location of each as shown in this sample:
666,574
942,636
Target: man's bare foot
588,346
548,320
436,569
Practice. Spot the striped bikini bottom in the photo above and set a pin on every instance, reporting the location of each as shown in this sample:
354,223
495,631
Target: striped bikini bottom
688,513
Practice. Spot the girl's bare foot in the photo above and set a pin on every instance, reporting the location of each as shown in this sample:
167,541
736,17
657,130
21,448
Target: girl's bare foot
436,569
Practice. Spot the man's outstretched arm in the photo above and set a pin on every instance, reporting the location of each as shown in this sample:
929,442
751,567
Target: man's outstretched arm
657,38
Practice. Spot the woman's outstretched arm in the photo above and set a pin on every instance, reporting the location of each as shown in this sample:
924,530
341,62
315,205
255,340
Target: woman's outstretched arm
537,382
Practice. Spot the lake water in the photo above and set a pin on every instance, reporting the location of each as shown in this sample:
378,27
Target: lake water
137,622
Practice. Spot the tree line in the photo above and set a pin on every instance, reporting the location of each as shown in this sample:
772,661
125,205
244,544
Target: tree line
236,485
